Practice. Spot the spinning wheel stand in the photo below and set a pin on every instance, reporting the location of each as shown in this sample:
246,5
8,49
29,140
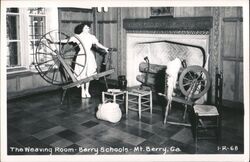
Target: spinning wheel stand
194,82
85,80
55,61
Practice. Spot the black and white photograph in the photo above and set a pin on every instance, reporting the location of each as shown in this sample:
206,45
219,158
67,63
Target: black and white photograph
112,81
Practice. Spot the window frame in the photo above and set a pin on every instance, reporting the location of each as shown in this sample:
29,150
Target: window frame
51,13
15,40
30,39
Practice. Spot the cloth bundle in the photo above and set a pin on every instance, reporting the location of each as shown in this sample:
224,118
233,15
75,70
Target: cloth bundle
109,112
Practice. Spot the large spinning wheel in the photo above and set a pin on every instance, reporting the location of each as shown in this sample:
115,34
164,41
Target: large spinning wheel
194,81
55,58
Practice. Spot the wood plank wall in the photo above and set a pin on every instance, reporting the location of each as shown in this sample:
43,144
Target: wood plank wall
230,51
227,56
112,34
107,33
108,27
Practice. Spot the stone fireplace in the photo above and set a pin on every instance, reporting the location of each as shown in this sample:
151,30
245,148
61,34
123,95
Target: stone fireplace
163,39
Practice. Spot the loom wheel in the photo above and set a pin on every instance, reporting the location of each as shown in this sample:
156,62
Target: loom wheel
55,58
194,79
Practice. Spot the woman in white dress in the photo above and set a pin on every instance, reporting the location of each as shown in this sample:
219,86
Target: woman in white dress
82,32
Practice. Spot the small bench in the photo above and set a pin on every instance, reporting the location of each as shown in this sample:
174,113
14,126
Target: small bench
139,100
114,95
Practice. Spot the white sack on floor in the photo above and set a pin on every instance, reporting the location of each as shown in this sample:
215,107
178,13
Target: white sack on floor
109,112
172,70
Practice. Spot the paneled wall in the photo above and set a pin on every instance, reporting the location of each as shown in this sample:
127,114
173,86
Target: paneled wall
107,33
192,11
226,39
70,17
107,26
104,26
232,53
228,55
112,34
129,13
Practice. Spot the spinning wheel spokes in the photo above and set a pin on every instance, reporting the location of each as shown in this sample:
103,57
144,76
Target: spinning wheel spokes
55,58
194,79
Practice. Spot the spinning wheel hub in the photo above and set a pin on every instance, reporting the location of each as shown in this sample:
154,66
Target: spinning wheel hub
194,81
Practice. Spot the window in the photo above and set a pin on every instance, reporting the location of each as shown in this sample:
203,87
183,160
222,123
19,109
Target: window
36,28
13,37
25,27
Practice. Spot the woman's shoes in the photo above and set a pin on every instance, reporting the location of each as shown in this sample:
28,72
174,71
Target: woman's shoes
85,94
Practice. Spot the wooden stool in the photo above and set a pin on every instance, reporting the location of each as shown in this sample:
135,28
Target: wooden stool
114,96
139,100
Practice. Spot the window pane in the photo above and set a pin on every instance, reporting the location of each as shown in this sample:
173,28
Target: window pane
13,10
13,53
33,46
13,27
37,10
36,31
32,49
37,26
43,54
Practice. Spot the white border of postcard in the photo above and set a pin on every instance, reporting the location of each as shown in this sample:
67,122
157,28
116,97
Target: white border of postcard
127,3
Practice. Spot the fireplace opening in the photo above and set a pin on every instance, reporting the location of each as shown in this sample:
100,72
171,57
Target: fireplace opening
162,48
163,39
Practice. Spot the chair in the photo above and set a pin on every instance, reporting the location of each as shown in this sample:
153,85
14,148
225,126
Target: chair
139,100
207,117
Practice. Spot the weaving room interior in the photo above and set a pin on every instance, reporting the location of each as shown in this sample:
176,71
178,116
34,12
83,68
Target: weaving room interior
168,80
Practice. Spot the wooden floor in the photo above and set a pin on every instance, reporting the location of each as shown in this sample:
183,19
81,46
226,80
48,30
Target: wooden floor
39,124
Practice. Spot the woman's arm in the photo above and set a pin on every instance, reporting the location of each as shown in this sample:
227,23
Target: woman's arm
98,44
101,46
70,39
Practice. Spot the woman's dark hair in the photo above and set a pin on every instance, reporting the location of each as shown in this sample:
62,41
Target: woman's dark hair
78,28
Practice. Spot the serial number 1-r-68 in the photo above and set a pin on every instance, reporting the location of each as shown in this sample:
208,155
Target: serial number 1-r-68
227,148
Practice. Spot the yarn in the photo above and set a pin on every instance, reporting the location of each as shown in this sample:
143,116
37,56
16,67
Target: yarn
172,70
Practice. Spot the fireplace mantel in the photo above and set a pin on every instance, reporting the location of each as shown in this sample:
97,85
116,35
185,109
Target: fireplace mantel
169,24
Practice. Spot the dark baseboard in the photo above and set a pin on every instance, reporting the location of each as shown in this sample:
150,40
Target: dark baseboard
28,92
